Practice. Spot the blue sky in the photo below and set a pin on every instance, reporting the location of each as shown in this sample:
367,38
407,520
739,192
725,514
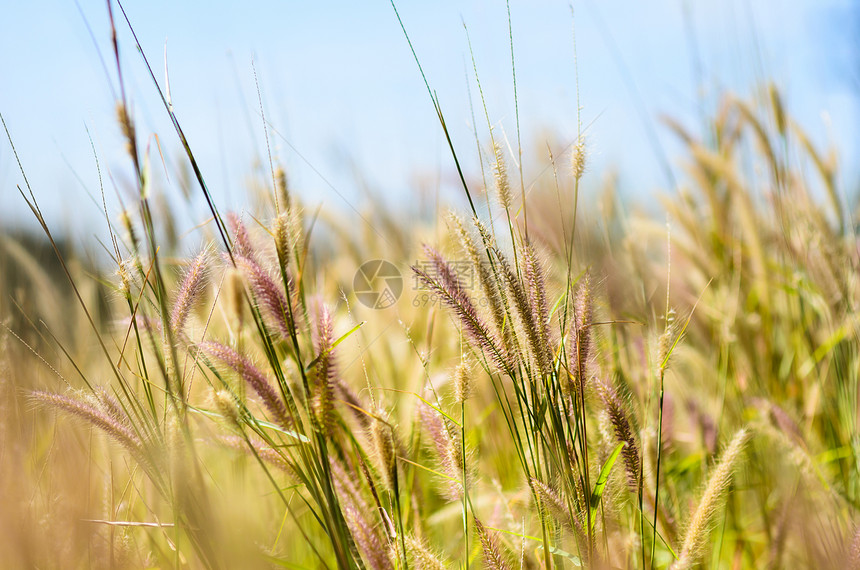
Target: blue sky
340,86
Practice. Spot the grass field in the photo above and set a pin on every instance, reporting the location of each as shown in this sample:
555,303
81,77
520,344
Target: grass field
545,379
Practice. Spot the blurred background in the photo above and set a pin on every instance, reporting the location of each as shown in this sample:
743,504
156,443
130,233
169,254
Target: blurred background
350,118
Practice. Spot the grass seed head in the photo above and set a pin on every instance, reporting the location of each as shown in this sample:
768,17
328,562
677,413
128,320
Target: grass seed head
125,272
616,410
242,244
283,241
445,281
500,173
269,295
539,309
367,538
494,558
463,382
127,127
666,341
97,416
577,159
447,449
253,376
697,536
324,377
234,296
552,501
190,289
282,189
422,557
382,438
227,406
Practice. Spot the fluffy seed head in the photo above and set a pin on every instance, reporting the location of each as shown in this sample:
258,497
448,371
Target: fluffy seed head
539,309
580,334
462,382
323,377
124,271
664,343
583,305
493,557
253,376
227,406
500,172
283,243
346,483
486,236
268,294
282,189
108,402
552,501
242,245
478,259
577,159
696,539
234,295
615,409
127,127
190,289
382,437
422,557
117,428
447,449
530,320
446,283
368,540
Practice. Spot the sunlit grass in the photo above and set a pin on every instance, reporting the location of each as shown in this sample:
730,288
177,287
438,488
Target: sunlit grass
560,384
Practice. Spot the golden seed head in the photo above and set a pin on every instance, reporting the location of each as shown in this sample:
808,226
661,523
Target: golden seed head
125,219
124,270
664,344
234,294
696,542
282,189
486,236
577,161
500,171
127,127
422,556
462,382
227,406
282,238
382,437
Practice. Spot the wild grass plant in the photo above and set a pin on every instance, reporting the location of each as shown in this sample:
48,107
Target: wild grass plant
576,392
